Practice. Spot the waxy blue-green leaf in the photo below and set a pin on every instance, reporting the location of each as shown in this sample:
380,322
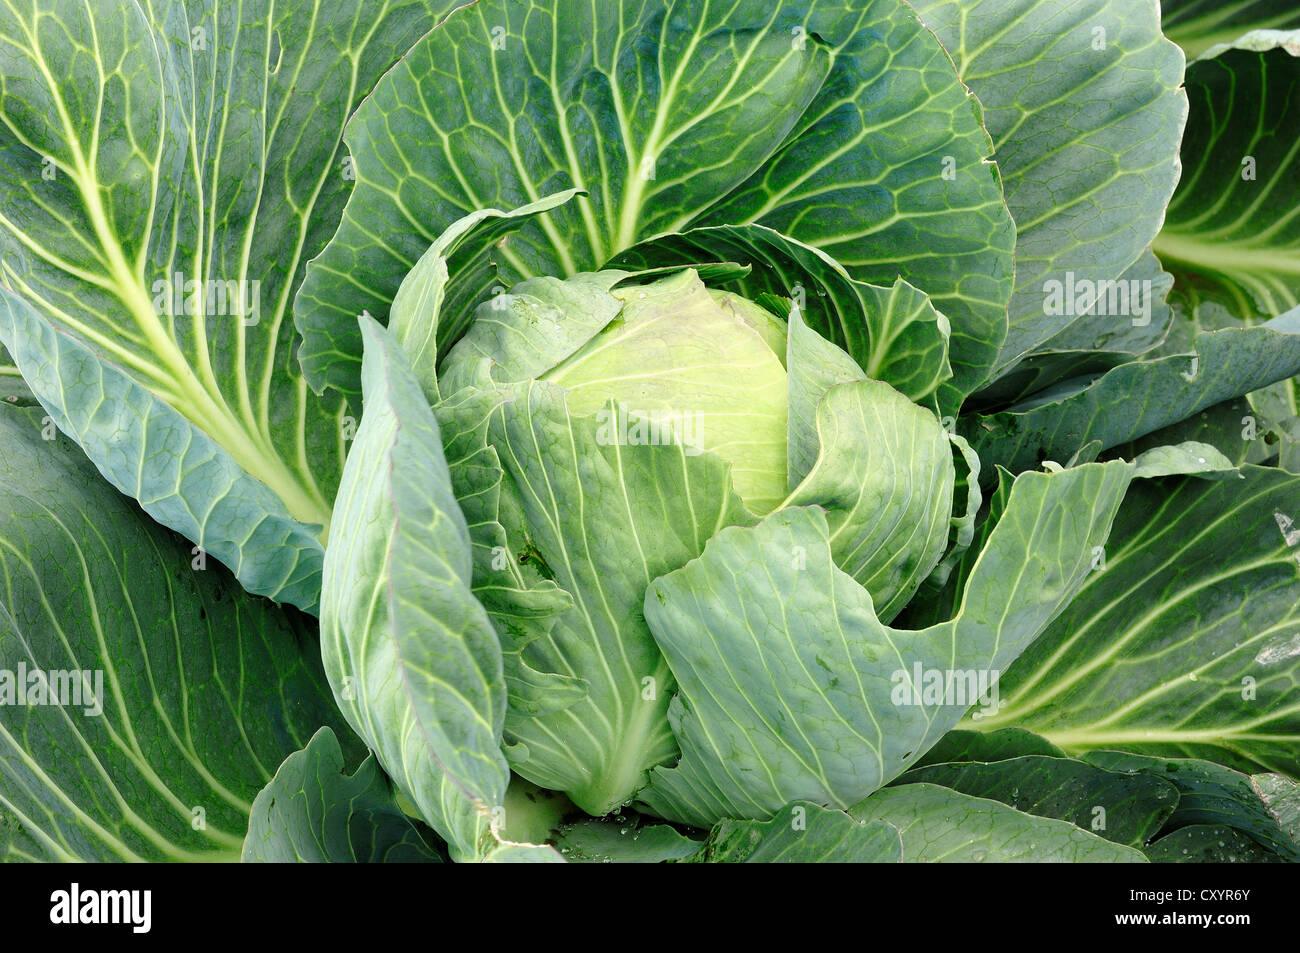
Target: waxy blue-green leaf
1209,844
1197,25
834,121
1184,459
894,333
939,598
1135,399
1084,104
186,480
198,691
1185,640
1233,428
624,838
167,170
790,686
1001,745
884,475
602,518
411,654
1232,236
1209,793
1098,342
314,812
802,833
1124,808
943,826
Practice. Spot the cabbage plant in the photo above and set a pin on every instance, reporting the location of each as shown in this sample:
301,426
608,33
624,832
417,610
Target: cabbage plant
802,430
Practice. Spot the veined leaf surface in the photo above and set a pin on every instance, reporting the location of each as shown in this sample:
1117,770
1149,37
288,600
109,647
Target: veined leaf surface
828,120
1187,642
1197,25
201,690
1124,808
792,688
411,655
602,518
1232,234
1083,101
1132,400
939,825
168,168
802,833
312,812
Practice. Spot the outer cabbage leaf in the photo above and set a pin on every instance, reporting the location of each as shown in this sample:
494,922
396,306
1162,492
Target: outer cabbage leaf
1135,399
201,689
622,839
1097,343
1185,641
1209,844
1233,428
167,169
1197,25
1281,797
1124,808
186,480
831,121
13,389
939,825
1211,794
1232,235
312,812
790,686
802,833
987,747
1084,104
410,653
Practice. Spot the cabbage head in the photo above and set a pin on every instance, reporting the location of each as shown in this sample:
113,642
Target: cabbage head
651,529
